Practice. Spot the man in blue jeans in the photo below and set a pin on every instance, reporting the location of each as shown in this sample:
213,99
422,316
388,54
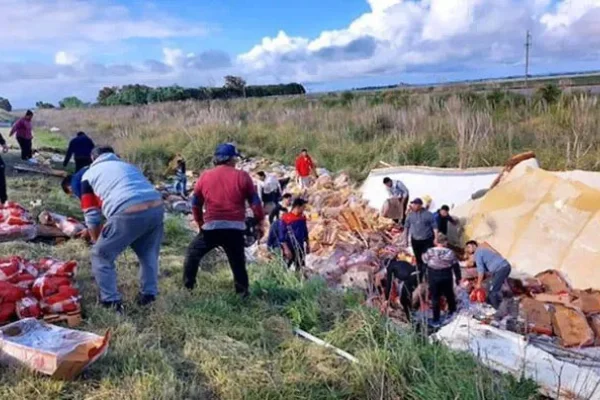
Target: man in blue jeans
134,218
490,262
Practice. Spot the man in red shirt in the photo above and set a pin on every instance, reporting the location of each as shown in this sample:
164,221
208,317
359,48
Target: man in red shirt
24,135
219,209
305,168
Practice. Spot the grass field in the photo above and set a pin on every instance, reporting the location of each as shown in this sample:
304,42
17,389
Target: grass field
210,344
354,132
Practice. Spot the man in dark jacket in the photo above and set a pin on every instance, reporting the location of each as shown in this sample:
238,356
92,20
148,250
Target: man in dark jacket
442,217
80,147
71,184
3,195
293,234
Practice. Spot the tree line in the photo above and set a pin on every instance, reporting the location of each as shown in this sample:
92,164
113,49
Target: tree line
234,87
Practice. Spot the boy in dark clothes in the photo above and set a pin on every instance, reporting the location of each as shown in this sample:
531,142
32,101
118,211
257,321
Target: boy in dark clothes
441,263
282,207
181,178
293,234
405,273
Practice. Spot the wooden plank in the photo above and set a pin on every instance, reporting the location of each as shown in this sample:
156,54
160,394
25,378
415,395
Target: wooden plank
38,170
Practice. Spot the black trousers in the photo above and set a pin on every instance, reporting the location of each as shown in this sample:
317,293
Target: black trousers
3,195
231,241
419,248
26,151
404,273
405,208
298,259
441,284
82,162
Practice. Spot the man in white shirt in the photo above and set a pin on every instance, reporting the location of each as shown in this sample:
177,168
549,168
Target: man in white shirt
397,189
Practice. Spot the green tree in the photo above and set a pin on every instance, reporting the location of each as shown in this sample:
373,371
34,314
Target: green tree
41,105
236,83
105,94
5,104
71,102
550,93
134,94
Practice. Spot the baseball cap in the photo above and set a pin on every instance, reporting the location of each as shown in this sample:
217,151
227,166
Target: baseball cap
417,201
226,150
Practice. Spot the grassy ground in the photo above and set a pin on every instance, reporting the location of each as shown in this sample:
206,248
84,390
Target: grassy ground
209,344
43,138
353,132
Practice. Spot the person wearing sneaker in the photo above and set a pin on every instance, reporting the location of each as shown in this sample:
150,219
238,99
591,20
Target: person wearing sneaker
219,208
134,212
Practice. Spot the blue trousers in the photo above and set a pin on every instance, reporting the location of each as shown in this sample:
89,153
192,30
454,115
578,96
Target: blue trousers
143,232
495,289
181,186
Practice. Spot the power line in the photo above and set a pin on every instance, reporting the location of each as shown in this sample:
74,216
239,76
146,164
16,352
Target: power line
527,47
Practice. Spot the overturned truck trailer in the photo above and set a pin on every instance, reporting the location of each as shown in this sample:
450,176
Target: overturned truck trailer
541,220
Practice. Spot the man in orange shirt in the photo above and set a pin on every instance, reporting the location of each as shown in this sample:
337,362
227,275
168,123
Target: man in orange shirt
305,168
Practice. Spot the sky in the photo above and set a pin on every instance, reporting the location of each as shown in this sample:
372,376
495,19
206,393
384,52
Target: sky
50,49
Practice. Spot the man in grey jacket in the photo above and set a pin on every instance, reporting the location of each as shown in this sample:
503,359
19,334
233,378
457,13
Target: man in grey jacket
133,210
421,229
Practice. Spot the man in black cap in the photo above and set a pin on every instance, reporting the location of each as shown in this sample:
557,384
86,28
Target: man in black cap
421,229
219,208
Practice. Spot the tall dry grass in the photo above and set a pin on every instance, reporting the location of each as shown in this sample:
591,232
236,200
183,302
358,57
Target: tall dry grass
353,133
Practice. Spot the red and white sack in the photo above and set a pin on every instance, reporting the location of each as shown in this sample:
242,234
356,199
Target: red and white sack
28,307
24,280
67,300
50,266
11,233
7,312
69,226
10,293
9,268
48,285
14,214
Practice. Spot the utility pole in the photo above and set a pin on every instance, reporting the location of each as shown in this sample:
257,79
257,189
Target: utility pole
527,47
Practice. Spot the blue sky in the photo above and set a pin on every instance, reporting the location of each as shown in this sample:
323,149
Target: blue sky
55,48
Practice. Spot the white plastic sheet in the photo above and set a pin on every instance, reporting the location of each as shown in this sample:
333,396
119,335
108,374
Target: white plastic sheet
511,353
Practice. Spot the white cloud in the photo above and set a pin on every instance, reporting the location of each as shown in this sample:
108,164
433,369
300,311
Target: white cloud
172,57
394,37
404,35
38,23
64,58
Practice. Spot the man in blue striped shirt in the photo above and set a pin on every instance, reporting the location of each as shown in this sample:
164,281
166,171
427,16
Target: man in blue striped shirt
491,263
